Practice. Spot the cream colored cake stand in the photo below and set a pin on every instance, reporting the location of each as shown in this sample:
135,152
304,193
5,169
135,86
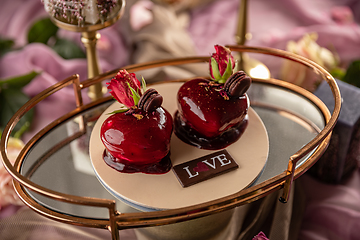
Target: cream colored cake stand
150,192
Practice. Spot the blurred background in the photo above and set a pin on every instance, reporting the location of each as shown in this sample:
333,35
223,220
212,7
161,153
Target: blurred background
35,54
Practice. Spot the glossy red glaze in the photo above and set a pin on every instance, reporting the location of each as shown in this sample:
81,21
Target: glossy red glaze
203,107
138,141
192,137
121,165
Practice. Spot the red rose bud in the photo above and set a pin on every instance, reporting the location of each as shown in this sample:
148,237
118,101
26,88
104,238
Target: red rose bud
221,64
125,88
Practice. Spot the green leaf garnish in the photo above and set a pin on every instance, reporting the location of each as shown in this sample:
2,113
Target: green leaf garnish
119,111
228,72
215,69
135,95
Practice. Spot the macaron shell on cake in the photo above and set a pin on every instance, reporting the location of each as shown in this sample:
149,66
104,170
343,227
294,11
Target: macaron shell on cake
212,113
136,137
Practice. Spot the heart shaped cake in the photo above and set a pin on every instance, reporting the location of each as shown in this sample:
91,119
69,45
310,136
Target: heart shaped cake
212,113
137,136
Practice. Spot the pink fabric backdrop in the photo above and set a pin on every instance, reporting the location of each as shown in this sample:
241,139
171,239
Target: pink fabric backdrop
333,212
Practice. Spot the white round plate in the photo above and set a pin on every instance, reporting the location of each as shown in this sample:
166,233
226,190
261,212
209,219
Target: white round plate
148,192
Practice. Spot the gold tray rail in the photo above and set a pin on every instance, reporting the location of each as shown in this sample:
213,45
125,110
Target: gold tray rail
118,221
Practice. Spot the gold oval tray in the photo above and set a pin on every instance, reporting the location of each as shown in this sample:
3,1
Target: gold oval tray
149,192
307,155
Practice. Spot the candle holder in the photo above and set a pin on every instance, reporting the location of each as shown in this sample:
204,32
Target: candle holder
87,17
251,66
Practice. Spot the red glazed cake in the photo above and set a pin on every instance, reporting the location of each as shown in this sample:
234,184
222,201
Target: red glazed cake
212,113
137,136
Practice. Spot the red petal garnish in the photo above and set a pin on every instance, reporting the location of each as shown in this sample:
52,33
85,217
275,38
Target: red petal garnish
222,57
120,85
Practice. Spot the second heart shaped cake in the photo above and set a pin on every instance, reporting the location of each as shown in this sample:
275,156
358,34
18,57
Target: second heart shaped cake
212,114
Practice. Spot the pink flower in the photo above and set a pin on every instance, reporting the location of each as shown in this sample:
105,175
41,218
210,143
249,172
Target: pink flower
301,75
125,88
260,236
221,64
7,191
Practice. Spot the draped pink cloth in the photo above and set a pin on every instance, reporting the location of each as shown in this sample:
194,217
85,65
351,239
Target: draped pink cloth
333,211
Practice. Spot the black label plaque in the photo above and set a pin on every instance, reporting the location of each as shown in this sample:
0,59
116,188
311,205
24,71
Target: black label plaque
204,168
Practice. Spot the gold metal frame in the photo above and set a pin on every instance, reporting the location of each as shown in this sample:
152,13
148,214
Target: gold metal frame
118,221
